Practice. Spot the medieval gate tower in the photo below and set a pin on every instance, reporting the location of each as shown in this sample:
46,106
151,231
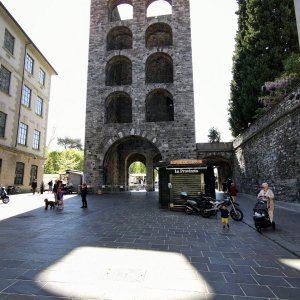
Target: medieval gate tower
140,104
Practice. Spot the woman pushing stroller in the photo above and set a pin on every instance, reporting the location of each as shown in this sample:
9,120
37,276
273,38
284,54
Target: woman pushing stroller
267,195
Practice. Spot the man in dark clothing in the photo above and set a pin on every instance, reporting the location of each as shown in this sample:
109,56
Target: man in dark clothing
83,195
33,186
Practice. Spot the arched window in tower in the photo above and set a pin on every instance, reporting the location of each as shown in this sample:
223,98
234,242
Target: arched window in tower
118,108
120,10
118,71
159,35
119,38
159,8
159,106
159,68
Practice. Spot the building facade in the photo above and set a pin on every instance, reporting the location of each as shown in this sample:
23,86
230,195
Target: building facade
25,79
140,101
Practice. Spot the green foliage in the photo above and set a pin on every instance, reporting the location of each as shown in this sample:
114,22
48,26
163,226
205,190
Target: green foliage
137,168
266,37
214,135
69,143
58,162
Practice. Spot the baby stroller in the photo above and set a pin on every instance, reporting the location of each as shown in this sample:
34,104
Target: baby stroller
261,216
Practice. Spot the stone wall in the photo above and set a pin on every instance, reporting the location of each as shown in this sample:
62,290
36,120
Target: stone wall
269,151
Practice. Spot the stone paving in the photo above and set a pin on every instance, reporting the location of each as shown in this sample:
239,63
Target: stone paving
124,247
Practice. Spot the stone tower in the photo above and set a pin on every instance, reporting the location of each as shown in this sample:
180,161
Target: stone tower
140,104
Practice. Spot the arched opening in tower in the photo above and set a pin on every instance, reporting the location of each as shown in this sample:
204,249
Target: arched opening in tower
159,106
159,68
118,71
118,108
122,154
120,10
119,38
159,8
159,35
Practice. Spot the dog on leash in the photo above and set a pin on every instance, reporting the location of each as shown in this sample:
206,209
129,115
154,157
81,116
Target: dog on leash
49,203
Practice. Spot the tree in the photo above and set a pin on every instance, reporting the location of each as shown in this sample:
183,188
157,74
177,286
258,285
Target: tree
70,159
266,37
214,135
137,168
69,143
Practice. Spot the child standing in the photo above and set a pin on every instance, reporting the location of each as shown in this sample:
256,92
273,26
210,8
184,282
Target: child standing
224,216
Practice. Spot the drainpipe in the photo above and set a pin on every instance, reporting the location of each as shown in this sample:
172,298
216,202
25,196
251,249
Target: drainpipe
22,84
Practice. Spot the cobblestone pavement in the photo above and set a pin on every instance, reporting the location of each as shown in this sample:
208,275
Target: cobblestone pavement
124,247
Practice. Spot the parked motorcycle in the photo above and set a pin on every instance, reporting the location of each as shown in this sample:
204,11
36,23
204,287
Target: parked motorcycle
3,195
196,204
235,213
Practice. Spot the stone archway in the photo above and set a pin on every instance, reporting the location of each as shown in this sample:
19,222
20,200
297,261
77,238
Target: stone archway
119,156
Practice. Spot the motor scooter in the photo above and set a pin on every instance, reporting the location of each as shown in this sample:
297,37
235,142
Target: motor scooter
3,195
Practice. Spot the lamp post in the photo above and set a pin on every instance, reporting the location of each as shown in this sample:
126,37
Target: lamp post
297,10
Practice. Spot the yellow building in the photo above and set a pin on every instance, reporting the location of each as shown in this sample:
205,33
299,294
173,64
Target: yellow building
25,79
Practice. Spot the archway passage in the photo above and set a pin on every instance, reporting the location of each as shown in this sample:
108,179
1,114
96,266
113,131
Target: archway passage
120,10
157,8
223,169
122,154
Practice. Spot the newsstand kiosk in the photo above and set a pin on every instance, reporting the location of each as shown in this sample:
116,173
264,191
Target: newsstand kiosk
184,175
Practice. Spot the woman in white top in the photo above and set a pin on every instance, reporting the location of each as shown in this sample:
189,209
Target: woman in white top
267,194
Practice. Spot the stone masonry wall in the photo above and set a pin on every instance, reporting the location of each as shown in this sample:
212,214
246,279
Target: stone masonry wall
269,151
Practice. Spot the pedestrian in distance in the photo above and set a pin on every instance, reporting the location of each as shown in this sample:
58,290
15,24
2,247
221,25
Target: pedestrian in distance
54,190
33,186
233,191
224,216
60,195
224,186
83,195
42,187
266,194
50,184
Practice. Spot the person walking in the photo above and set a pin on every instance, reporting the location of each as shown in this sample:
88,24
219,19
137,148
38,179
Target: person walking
42,187
33,186
54,190
50,184
83,195
60,195
267,195
233,191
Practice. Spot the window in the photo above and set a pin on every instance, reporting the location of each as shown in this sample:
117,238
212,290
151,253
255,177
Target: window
29,64
39,106
5,76
26,96
9,42
36,140
2,123
19,174
22,136
33,173
42,76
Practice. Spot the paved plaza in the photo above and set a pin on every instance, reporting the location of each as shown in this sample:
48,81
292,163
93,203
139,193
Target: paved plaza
124,247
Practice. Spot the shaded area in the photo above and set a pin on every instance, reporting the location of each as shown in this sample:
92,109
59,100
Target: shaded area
159,68
119,38
118,71
118,108
159,106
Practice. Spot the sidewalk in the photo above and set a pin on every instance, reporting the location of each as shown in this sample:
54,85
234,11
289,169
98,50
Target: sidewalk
286,217
123,247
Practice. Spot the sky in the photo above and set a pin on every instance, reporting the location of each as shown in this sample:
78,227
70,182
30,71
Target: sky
60,29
